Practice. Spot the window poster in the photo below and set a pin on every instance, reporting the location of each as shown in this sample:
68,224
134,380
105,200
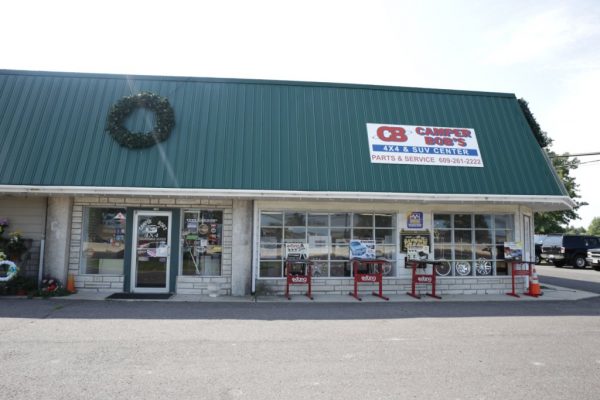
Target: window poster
362,249
296,250
191,224
414,239
513,251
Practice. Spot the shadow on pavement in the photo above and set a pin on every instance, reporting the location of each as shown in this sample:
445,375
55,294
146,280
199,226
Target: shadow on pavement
70,309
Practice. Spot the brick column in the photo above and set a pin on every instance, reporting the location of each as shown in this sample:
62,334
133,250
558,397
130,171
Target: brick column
241,267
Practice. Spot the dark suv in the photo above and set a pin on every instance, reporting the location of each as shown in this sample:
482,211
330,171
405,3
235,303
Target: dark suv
538,240
568,249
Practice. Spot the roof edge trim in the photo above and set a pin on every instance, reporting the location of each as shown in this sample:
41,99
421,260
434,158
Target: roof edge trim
541,203
253,81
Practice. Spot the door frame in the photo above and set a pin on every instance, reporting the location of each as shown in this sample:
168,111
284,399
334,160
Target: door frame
134,238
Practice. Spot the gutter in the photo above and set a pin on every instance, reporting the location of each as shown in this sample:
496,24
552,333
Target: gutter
537,203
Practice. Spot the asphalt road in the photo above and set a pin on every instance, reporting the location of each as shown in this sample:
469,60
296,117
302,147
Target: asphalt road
55,349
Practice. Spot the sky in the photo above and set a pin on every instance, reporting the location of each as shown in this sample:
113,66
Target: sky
547,52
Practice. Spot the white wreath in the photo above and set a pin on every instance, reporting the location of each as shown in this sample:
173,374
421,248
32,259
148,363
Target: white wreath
12,270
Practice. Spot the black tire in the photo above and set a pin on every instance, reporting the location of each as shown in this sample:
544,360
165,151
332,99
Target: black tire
558,264
537,259
579,262
596,267
443,269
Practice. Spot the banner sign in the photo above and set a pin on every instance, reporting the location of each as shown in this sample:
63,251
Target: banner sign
423,145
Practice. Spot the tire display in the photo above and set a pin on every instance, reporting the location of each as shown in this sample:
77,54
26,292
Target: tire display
444,268
483,266
463,268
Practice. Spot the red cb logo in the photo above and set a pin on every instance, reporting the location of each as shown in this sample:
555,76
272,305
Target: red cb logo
391,134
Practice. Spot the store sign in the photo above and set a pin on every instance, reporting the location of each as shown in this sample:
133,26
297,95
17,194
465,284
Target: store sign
414,220
423,145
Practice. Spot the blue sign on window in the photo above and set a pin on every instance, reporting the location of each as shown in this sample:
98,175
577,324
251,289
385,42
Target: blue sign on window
415,220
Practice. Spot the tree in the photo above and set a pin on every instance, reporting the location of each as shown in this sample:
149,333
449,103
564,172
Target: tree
594,228
554,221
571,230
541,136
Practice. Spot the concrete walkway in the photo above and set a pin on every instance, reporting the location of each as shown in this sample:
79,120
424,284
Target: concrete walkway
550,292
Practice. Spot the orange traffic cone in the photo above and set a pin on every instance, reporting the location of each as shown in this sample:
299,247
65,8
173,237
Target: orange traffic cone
534,285
71,283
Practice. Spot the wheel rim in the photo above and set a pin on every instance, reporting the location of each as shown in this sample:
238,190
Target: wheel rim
579,262
484,267
463,268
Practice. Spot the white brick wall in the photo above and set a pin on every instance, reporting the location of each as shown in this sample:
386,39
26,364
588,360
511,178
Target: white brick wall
114,283
482,285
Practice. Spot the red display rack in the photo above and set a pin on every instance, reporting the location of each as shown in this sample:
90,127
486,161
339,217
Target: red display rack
374,275
422,279
298,278
514,272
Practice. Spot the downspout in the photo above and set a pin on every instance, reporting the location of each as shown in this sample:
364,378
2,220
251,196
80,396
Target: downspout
43,246
254,247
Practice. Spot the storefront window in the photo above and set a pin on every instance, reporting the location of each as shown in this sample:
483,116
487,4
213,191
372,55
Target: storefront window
103,241
202,234
327,236
474,243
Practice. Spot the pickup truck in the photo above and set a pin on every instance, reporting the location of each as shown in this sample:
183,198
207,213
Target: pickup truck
593,258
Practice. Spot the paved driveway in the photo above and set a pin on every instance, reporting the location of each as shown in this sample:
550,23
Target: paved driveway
155,350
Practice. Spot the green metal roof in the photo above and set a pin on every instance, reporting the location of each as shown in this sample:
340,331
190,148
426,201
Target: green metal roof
257,135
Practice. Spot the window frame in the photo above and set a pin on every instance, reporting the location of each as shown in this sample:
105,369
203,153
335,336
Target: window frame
83,267
491,229
182,246
331,246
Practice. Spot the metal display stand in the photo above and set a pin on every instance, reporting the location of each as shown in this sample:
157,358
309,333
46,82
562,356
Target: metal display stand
422,279
520,272
298,272
374,275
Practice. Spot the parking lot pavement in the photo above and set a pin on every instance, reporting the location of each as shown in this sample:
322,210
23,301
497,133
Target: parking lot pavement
54,349
568,272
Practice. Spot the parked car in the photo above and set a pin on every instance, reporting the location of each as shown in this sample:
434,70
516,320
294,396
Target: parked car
593,258
568,249
538,240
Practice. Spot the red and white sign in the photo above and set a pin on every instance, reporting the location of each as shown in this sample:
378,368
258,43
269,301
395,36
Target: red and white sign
298,279
423,145
368,278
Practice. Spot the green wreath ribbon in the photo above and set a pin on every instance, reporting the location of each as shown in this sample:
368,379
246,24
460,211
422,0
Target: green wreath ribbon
165,120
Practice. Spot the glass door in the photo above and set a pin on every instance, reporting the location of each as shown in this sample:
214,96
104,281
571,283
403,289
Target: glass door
152,251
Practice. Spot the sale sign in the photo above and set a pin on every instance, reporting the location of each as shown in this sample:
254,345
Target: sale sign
423,145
